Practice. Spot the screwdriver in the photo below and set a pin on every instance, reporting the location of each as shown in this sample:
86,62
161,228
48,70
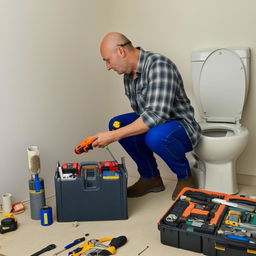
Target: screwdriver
46,249
107,148
77,241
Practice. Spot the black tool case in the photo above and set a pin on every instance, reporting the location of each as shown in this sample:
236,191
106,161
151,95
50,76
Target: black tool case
197,224
91,195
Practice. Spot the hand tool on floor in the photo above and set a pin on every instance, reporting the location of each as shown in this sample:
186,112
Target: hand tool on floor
8,224
46,249
143,250
97,247
77,241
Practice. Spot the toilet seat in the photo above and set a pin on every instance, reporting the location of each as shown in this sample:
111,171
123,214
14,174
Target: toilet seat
222,96
224,129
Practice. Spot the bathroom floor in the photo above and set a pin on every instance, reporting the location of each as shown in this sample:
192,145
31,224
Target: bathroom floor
140,229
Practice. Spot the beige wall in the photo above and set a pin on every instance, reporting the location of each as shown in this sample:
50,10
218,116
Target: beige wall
178,27
53,85
55,90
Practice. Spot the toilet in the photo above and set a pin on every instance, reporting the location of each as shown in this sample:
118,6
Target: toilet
220,81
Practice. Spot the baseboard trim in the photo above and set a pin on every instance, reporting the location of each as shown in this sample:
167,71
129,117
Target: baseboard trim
245,179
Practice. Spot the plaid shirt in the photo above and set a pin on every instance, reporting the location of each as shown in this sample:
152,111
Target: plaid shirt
157,94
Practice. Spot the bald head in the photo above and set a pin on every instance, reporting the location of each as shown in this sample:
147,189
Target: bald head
113,39
118,53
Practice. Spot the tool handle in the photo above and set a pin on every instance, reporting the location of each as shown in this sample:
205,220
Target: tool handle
77,241
46,249
193,200
249,208
239,238
118,241
114,244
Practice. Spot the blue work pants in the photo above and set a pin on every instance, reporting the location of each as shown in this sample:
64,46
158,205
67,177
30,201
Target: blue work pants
170,141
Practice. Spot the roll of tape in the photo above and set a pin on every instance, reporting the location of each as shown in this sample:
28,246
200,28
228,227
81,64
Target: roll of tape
7,202
46,216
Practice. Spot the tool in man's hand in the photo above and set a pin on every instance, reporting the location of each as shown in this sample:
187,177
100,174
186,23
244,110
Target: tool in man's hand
77,241
97,247
84,146
46,249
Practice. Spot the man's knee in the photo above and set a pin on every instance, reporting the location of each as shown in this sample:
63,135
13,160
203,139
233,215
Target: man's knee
111,121
124,119
153,139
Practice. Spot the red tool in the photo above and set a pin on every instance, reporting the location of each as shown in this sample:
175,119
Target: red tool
71,168
108,166
84,146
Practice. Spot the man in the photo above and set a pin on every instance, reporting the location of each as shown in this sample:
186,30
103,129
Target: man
163,118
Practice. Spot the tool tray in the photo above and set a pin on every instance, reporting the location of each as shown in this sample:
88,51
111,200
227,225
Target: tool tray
193,222
94,194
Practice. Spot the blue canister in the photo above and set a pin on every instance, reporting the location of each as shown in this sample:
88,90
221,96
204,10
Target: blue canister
46,215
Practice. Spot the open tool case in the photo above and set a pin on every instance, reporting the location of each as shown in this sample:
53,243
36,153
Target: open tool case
91,191
198,222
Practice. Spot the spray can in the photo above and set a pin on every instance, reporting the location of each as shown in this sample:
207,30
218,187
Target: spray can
37,199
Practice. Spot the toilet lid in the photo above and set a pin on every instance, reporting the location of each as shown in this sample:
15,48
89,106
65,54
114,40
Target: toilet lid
222,86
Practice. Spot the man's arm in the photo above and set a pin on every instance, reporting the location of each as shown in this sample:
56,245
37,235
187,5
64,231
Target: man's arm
102,139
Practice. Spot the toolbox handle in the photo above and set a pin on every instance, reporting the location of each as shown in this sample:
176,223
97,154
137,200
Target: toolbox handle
90,175
88,163
236,245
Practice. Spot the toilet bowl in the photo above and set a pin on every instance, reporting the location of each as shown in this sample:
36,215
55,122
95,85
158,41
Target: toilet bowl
219,147
220,81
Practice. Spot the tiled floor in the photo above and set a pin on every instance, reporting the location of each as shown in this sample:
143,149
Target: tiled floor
140,229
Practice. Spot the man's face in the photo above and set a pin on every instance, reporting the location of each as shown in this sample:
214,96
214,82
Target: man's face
114,60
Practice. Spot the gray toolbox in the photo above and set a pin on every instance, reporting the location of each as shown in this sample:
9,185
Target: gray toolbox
93,192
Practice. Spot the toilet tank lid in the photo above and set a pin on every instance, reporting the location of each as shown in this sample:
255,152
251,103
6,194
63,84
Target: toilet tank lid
198,56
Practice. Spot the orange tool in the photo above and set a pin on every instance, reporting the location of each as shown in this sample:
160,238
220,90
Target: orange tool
84,146
188,210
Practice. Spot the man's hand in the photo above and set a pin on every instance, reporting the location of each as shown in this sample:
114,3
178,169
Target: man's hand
103,139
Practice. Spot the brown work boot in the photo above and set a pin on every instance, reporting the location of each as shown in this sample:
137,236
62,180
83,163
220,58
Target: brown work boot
144,186
188,182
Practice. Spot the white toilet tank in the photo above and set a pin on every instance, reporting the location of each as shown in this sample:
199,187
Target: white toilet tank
221,80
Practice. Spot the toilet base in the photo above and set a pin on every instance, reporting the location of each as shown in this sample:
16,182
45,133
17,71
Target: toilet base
221,178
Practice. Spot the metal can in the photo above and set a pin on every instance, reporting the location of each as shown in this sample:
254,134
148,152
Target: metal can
46,216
